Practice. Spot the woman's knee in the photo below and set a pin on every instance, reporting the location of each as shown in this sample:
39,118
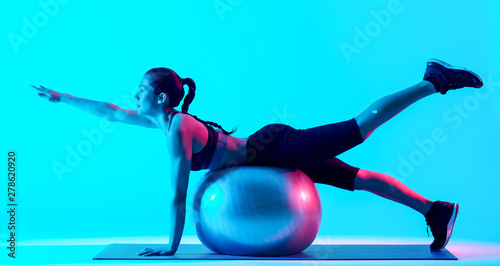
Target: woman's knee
361,178
370,180
363,126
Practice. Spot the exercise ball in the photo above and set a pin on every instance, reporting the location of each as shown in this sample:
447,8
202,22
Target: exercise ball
256,211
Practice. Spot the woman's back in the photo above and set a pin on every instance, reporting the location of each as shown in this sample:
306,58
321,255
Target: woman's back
234,153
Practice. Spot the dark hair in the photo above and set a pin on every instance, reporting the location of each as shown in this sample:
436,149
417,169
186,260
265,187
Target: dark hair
166,80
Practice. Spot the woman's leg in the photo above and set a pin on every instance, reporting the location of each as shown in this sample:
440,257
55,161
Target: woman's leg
335,172
439,215
388,106
390,188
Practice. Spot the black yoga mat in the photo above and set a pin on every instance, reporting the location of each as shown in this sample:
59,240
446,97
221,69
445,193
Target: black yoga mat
313,252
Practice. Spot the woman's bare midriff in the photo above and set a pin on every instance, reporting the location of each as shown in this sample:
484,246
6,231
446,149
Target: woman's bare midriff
235,152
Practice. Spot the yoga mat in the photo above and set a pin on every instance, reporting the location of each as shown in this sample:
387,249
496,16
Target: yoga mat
313,252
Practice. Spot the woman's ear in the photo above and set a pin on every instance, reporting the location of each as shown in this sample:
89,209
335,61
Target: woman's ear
161,98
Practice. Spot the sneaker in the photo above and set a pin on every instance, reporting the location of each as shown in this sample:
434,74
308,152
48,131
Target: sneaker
446,77
441,218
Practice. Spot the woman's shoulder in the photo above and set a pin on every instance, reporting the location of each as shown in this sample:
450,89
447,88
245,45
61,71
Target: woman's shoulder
185,121
185,117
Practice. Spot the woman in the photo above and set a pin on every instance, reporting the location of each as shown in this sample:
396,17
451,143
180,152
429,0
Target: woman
194,145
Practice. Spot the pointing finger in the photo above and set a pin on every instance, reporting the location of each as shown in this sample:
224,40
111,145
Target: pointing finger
39,89
43,88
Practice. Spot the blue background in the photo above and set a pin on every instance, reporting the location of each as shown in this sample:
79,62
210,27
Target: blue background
254,63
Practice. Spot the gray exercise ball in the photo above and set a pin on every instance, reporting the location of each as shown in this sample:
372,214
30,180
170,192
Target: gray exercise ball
256,211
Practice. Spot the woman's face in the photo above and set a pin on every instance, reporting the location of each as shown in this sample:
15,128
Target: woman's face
146,101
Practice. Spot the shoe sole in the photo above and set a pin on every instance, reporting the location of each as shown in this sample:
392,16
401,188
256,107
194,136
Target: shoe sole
448,66
449,228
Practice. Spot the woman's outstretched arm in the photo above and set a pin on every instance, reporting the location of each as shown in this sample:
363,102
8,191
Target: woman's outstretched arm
100,109
103,110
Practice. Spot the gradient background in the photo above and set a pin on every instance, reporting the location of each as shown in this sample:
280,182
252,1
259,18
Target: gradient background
255,63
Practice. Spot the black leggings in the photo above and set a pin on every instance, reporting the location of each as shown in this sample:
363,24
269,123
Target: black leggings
311,150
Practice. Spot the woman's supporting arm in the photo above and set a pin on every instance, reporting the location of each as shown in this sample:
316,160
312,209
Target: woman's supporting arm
177,221
180,148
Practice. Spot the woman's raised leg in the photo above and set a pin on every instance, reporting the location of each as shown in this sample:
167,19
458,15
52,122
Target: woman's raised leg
282,145
439,77
388,106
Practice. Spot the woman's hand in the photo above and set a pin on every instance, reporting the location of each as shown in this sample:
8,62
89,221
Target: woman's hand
156,252
52,96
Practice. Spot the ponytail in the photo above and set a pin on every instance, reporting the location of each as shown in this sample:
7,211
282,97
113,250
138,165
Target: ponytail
189,99
190,96
216,125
